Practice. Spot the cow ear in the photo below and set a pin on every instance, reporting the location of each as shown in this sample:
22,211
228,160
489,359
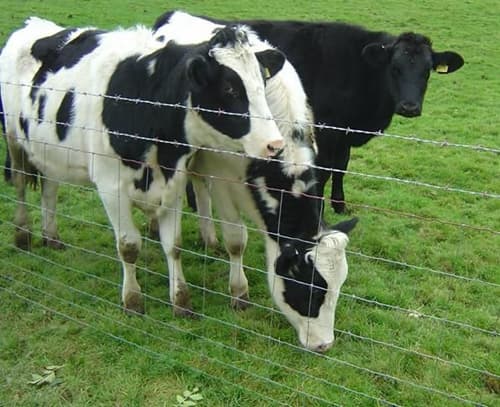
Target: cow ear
376,54
446,62
198,72
271,61
345,226
288,258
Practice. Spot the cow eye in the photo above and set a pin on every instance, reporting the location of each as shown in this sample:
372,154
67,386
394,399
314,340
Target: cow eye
230,91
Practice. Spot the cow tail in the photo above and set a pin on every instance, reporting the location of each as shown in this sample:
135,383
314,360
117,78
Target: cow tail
7,174
29,169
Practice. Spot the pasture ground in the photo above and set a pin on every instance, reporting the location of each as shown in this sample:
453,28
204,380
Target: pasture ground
62,308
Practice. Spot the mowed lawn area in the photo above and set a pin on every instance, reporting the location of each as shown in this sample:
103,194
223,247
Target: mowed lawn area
418,318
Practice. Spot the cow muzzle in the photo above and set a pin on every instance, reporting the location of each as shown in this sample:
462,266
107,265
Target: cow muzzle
409,109
274,147
319,348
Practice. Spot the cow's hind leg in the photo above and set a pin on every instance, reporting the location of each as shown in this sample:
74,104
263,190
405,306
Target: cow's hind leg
20,169
235,240
50,235
128,244
204,206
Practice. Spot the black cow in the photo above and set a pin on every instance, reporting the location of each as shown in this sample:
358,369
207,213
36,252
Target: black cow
354,78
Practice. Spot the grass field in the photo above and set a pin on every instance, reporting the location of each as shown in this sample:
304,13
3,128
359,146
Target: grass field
418,320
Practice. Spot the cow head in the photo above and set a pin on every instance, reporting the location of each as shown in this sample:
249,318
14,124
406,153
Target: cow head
407,63
307,284
229,78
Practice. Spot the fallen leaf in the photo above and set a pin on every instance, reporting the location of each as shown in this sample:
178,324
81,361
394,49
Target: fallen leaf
54,367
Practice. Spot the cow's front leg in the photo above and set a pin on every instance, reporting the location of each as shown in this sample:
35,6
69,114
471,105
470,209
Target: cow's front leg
128,244
169,222
235,240
50,235
341,159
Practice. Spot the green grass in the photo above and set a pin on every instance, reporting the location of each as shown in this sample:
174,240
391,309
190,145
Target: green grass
66,306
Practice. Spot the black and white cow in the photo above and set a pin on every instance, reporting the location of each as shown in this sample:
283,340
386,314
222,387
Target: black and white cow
134,153
306,263
354,78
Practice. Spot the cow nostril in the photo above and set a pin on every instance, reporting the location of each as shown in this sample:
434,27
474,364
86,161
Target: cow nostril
324,347
274,147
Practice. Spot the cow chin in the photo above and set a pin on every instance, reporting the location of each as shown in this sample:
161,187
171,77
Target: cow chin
316,334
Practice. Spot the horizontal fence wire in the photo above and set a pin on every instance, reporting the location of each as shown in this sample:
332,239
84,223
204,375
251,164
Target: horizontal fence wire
260,230
244,155
269,159
246,183
320,126
281,366
205,256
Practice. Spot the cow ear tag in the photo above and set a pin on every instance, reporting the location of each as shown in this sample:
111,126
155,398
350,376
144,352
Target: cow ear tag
267,73
442,68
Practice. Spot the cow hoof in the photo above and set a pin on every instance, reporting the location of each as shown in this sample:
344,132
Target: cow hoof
22,240
240,303
134,303
339,207
53,243
184,312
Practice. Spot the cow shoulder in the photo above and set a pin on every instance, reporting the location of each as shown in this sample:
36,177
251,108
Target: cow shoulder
63,49
136,111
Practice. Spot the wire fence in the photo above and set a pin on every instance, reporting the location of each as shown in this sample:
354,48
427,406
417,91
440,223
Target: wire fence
71,290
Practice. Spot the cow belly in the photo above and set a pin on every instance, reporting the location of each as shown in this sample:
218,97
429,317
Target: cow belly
151,192
148,201
59,162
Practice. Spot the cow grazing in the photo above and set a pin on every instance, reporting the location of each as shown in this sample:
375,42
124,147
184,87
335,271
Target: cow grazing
306,264
134,153
354,78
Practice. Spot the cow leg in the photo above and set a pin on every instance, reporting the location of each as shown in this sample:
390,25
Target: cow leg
22,222
235,241
204,205
190,195
128,244
7,174
322,177
50,235
340,161
169,222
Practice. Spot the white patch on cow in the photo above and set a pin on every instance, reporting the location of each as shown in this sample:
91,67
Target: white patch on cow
300,187
297,158
151,67
270,202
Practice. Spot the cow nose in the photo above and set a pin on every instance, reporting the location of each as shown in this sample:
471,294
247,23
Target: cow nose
409,109
274,147
323,347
